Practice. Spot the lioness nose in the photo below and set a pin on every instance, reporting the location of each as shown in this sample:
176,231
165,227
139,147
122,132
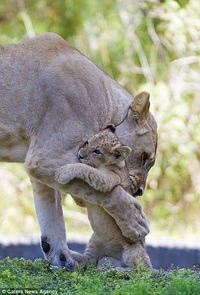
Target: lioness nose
139,192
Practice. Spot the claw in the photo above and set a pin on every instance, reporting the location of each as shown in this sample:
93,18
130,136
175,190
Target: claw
68,263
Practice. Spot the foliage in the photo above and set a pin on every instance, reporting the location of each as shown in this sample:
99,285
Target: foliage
39,275
145,45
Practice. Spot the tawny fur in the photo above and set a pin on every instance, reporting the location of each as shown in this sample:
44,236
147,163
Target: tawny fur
52,98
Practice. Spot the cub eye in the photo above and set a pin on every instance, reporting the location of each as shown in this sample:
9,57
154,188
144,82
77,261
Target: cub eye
85,144
145,157
96,151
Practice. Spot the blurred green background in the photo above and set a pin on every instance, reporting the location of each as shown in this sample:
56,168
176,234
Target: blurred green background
145,45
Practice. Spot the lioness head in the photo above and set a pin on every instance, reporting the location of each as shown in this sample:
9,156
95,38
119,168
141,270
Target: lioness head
104,149
139,131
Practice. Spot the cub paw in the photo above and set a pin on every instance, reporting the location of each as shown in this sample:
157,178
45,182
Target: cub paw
62,176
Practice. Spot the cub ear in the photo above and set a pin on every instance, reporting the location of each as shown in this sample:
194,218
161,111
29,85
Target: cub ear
121,152
138,112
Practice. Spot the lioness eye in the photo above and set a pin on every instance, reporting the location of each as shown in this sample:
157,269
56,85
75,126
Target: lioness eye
97,152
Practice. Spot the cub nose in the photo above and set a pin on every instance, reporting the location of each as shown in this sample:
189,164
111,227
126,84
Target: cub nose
79,156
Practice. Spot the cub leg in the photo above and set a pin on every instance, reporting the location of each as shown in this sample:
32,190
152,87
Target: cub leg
53,235
94,250
134,255
97,179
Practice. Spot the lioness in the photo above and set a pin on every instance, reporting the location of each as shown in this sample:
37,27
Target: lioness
105,152
52,98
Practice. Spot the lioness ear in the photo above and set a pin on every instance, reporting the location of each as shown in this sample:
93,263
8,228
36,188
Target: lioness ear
138,112
121,152
141,104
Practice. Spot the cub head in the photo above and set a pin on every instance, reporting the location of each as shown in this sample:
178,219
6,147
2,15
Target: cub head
104,149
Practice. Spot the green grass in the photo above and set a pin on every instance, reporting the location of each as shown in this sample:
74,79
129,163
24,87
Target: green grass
39,275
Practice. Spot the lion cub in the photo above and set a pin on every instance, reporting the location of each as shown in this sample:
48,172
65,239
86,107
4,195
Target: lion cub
103,164
105,152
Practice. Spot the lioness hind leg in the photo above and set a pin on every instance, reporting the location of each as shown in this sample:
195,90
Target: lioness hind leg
50,217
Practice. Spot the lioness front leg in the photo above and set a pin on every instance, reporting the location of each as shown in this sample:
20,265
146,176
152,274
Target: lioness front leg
97,179
53,236
127,213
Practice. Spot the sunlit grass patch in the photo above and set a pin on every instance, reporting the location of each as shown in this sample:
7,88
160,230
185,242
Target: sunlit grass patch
39,275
